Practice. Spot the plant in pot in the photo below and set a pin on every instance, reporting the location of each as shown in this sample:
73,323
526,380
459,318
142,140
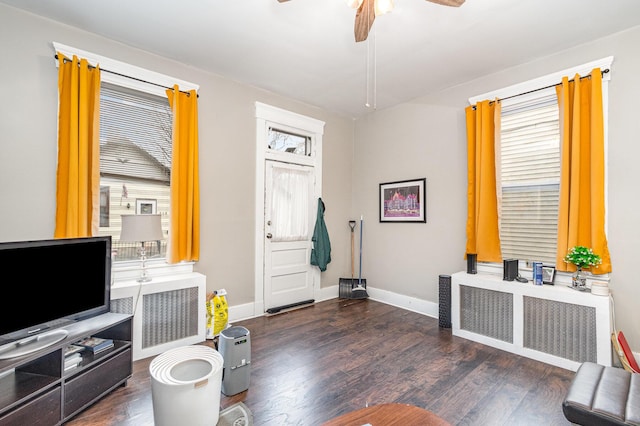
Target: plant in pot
581,257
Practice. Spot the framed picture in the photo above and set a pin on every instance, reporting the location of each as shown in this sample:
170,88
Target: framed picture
403,201
548,274
146,206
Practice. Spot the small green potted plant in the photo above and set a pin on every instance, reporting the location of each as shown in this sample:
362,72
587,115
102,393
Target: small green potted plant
581,257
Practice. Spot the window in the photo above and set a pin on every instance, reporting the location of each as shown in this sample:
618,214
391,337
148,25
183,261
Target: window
530,178
104,206
135,162
283,141
529,164
135,146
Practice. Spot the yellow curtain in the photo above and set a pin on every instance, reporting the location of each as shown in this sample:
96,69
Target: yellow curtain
483,234
78,175
582,210
184,232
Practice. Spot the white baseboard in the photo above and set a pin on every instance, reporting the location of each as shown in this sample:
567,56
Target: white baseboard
241,312
424,307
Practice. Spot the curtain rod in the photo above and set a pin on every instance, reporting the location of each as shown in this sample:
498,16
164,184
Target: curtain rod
605,71
132,78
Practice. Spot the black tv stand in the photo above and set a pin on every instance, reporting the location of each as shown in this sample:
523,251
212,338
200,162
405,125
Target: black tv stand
36,389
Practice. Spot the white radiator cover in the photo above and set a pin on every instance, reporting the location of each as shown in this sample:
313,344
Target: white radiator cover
552,324
169,311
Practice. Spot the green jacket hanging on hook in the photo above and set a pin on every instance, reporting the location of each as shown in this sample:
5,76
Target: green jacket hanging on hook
321,246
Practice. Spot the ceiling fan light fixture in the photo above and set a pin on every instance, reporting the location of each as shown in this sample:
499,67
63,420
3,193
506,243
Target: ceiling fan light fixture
380,6
383,6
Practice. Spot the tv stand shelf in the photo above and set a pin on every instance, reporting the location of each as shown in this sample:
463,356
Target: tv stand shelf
35,389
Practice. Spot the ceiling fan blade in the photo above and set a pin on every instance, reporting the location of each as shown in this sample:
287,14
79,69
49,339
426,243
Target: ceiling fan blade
365,16
282,1
452,3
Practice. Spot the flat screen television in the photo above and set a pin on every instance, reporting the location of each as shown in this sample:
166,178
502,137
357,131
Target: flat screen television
49,284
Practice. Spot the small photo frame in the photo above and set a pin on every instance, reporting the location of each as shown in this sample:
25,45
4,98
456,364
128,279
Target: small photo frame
146,206
548,274
403,201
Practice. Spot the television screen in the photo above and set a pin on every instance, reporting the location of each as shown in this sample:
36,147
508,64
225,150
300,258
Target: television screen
50,283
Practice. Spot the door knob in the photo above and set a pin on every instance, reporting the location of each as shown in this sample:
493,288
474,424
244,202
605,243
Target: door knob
269,235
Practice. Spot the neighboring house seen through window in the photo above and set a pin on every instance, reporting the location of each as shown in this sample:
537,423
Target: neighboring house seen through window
135,163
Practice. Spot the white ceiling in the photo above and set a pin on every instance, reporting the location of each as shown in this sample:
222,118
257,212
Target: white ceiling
305,49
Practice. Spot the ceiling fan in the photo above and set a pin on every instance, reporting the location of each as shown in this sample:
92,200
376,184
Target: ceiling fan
368,9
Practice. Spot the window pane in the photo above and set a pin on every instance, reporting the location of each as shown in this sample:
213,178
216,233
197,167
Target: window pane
530,177
104,206
135,162
281,141
528,229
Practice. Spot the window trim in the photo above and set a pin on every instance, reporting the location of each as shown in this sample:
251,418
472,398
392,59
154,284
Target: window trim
521,90
127,75
143,80
548,80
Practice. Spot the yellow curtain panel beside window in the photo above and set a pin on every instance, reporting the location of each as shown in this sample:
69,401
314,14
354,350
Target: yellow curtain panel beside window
78,175
581,212
483,234
184,232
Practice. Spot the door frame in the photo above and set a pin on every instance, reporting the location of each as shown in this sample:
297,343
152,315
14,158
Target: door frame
269,116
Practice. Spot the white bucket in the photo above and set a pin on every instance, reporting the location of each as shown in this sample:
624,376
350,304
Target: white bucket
185,386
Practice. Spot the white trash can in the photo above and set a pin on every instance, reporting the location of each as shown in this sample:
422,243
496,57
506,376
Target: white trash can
185,386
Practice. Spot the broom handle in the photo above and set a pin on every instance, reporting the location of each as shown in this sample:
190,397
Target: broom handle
353,261
360,273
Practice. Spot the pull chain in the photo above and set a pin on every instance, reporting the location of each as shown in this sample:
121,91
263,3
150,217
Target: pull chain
372,75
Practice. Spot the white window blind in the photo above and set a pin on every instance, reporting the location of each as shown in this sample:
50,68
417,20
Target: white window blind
530,178
135,134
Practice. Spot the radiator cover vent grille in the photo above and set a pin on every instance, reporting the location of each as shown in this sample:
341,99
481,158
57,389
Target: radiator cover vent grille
169,316
487,312
122,306
561,329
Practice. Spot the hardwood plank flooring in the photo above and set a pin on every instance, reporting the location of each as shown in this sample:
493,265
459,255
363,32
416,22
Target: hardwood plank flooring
313,364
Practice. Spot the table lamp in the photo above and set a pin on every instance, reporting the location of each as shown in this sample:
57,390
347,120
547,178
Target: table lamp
141,228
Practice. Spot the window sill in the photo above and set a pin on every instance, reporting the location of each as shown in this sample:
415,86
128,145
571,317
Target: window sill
131,270
527,272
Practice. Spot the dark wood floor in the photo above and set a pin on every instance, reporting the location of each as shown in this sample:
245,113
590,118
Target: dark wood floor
316,363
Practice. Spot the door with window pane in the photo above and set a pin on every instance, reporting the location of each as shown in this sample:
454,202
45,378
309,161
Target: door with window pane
289,219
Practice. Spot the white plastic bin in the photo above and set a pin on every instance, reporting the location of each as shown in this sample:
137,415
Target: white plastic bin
185,386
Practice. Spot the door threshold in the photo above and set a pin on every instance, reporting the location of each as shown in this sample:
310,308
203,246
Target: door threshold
290,307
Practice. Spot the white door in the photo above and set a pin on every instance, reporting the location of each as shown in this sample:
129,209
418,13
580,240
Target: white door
289,220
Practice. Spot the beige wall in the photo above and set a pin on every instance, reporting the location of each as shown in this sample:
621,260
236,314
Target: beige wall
227,151
426,138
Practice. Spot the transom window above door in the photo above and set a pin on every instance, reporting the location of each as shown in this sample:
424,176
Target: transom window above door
283,141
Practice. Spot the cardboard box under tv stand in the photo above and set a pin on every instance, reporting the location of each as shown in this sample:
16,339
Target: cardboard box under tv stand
35,389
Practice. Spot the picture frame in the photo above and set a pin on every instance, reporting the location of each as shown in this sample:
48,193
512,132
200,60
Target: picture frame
146,206
548,274
403,201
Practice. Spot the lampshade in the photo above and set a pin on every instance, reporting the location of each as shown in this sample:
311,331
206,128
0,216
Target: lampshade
140,228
